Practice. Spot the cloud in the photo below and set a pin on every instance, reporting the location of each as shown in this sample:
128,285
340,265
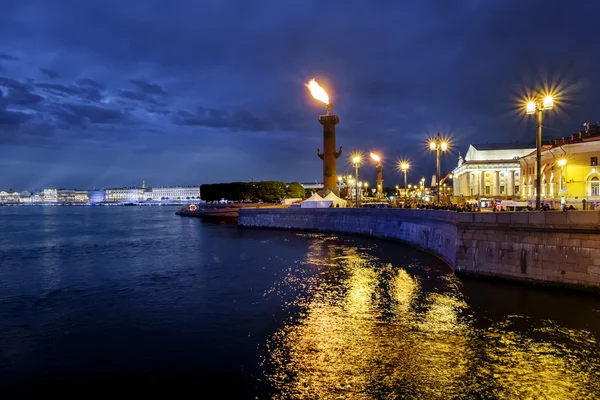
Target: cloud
146,87
49,73
82,114
8,57
18,93
230,120
83,92
86,82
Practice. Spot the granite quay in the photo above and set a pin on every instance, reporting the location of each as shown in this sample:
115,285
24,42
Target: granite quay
554,248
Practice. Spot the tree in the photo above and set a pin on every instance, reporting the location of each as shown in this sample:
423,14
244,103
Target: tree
270,191
295,191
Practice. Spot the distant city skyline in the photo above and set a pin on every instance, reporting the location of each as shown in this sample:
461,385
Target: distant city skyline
96,95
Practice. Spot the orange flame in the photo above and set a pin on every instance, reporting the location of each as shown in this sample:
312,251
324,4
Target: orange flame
317,91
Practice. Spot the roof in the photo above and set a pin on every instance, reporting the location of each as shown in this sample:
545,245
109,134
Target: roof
475,162
504,146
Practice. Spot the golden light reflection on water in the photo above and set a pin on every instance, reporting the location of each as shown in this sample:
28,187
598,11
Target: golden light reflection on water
372,330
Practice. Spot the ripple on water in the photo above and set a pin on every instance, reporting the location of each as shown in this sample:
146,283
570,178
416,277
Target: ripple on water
369,329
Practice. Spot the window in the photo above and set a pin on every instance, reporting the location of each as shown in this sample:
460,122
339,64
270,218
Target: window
516,189
595,187
501,189
594,161
487,190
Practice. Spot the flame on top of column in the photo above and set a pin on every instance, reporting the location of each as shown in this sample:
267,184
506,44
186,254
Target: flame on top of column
317,91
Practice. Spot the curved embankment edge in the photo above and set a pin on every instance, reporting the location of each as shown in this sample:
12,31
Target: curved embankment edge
555,248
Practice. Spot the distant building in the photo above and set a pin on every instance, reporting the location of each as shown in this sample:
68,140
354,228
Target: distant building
490,170
312,185
128,194
173,193
65,195
50,195
82,196
12,197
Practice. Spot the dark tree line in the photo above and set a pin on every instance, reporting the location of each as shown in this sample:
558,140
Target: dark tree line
267,191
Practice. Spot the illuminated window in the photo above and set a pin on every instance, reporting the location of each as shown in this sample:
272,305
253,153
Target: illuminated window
516,189
595,186
594,161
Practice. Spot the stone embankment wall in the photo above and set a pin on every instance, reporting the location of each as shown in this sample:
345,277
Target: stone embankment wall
560,248
552,247
430,230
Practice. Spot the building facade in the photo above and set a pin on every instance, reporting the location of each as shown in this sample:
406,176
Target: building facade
570,171
490,171
118,195
173,193
50,195
9,197
82,196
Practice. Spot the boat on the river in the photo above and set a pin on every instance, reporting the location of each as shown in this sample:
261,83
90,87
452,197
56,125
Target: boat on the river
220,211
212,212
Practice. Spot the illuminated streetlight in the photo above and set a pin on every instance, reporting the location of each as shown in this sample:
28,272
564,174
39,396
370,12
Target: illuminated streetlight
404,166
438,145
538,107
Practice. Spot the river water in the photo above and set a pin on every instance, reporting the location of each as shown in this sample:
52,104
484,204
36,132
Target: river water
137,300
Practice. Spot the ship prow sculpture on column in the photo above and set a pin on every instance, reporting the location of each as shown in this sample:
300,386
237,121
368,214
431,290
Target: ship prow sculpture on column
329,154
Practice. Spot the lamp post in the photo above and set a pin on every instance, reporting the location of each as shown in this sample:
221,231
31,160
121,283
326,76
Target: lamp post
438,145
356,161
537,107
404,168
397,189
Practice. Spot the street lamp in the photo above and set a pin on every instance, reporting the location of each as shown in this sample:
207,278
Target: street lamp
356,159
538,107
438,145
404,166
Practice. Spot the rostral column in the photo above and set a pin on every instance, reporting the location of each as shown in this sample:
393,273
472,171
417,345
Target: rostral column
329,154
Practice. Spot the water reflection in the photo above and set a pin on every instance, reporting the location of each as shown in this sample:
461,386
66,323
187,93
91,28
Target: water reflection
368,329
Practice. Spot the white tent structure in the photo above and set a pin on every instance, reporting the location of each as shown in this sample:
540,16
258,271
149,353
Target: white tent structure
316,201
336,201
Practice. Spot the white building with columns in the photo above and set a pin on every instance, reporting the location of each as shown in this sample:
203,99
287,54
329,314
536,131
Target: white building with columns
490,171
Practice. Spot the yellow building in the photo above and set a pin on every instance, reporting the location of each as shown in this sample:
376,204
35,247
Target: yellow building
570,171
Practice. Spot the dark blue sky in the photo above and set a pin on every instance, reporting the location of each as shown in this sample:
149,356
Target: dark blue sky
110,93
